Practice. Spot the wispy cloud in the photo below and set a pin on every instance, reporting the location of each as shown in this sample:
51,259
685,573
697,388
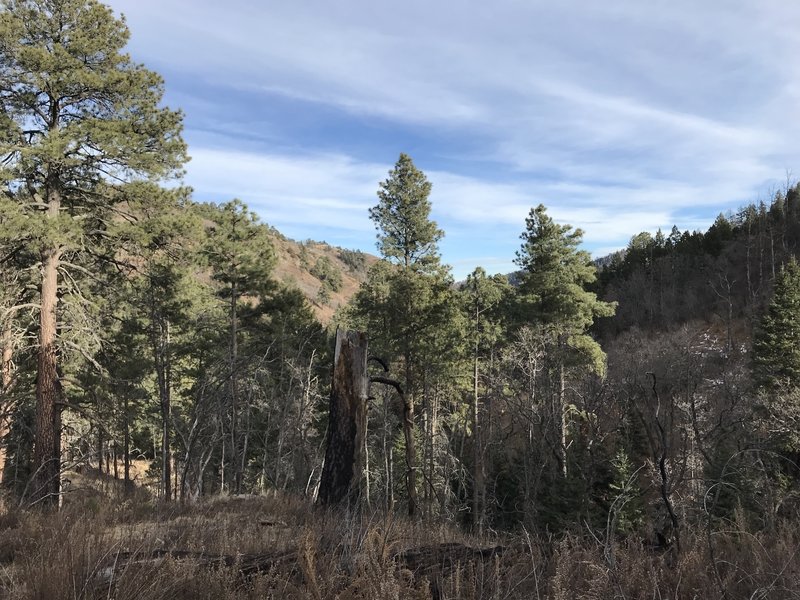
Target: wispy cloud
328,191
328,196
620,116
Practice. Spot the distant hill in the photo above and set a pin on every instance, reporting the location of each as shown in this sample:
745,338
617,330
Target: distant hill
327,275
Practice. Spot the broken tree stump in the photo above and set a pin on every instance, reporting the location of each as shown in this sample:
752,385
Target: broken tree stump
347,422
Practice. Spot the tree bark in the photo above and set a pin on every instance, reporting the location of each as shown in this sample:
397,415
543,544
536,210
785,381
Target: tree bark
7,344
236,444
114,457
347,425
46,455
161,350
562,418
166,415
6,377
126,444
411,451
100,442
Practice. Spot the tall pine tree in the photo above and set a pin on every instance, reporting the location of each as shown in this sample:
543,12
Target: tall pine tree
553,295
482,296
407,236
241,257
407,303
78,120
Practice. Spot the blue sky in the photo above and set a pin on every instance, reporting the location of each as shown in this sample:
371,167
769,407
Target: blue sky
619,116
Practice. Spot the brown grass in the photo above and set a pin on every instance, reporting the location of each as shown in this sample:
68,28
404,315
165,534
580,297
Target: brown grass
208,550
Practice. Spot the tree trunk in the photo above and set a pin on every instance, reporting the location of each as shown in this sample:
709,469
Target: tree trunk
245,443
114,458
366,474
236,444
6,377
561,420
222,460
161,350
174,478
477,491
435,456
426,452
661,457
7,345
46,456
187,461
408,433
100,442
386,447
126,444
347,425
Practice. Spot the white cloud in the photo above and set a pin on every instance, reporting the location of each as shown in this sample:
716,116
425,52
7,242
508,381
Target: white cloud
332,194
317,191
620,116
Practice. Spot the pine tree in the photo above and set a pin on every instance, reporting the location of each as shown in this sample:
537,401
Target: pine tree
241,257
406,304
407,234
482,296
78,120
553,294
776,347
17,263
168,245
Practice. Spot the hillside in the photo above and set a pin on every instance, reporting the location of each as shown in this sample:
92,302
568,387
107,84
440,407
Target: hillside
180,421
327,275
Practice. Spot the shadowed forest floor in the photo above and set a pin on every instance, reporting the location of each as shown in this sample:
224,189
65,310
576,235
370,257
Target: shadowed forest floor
282,547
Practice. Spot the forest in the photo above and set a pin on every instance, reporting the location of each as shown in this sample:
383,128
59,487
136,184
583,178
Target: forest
623,427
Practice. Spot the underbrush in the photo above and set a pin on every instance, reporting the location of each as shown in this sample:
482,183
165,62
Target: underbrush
282,547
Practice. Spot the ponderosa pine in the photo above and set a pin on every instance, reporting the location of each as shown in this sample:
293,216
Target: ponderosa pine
553,294
78,121
406,303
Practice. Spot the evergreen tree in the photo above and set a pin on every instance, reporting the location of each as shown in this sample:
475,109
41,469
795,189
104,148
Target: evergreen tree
776,347
406,304
168,244
407,235
241,257
16,302
553,294
78,120
482,296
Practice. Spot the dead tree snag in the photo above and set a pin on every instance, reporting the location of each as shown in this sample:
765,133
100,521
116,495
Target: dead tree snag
347,424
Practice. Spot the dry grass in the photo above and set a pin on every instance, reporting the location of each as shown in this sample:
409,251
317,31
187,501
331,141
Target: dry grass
258,547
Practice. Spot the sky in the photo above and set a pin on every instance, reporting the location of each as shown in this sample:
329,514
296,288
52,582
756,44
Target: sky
619,116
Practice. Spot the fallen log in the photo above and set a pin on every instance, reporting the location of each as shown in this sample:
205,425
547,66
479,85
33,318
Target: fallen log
434,562
247,565
438,561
